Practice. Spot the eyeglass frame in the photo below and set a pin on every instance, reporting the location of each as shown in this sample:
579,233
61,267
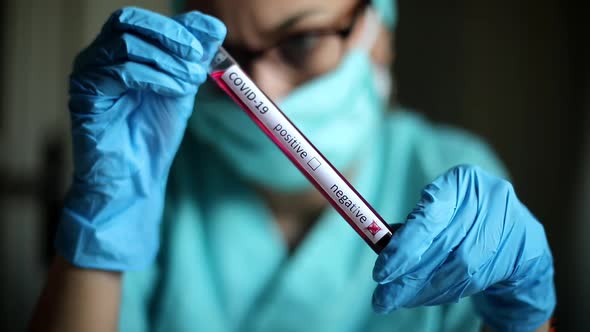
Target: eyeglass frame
246,57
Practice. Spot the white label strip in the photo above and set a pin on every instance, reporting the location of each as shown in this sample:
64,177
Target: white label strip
304,153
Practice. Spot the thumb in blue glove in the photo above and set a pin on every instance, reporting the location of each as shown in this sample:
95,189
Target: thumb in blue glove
131,94
470,235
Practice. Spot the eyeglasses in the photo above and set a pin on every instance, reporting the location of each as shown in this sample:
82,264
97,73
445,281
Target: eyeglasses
303,56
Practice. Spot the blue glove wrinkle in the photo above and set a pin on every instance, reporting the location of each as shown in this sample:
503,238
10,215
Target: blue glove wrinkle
425,223
167,33
208,29
388,297
137,50
521,311
430,295
83,88
138,76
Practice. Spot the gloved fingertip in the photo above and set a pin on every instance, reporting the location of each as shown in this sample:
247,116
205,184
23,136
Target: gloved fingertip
380,307
216,27
395,259
131,16
124,12
380,272
197,21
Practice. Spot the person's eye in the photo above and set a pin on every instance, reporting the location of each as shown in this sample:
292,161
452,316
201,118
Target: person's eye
298,49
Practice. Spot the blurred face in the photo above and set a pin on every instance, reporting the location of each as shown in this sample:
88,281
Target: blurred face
284,43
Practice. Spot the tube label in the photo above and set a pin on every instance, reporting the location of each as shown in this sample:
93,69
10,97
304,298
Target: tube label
302,152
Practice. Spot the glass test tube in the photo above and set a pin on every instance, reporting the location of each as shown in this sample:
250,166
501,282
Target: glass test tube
272,121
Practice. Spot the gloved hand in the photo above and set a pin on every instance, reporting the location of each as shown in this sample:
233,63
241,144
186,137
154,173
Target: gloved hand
131,94
470,235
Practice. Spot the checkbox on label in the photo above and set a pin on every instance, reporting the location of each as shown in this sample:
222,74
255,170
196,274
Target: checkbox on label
314,163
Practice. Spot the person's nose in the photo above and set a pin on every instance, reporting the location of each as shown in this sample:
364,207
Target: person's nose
270,79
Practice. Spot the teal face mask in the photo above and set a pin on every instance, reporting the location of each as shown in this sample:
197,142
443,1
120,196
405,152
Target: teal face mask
338,112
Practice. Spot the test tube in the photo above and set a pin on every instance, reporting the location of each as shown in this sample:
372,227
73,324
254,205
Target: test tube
228,75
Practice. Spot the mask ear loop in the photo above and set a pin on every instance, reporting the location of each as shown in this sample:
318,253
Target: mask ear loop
382,77
370,30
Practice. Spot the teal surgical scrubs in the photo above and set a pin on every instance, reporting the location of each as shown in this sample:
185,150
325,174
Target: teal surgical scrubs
223,265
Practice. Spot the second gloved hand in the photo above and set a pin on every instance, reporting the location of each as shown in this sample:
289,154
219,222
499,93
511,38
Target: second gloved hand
470,235
131,94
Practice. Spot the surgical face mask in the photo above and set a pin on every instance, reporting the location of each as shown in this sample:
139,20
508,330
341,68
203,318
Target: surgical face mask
338,112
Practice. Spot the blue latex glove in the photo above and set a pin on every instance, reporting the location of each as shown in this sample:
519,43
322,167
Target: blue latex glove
131,94
470,235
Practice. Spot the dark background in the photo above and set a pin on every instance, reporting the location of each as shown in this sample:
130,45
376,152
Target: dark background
514,72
